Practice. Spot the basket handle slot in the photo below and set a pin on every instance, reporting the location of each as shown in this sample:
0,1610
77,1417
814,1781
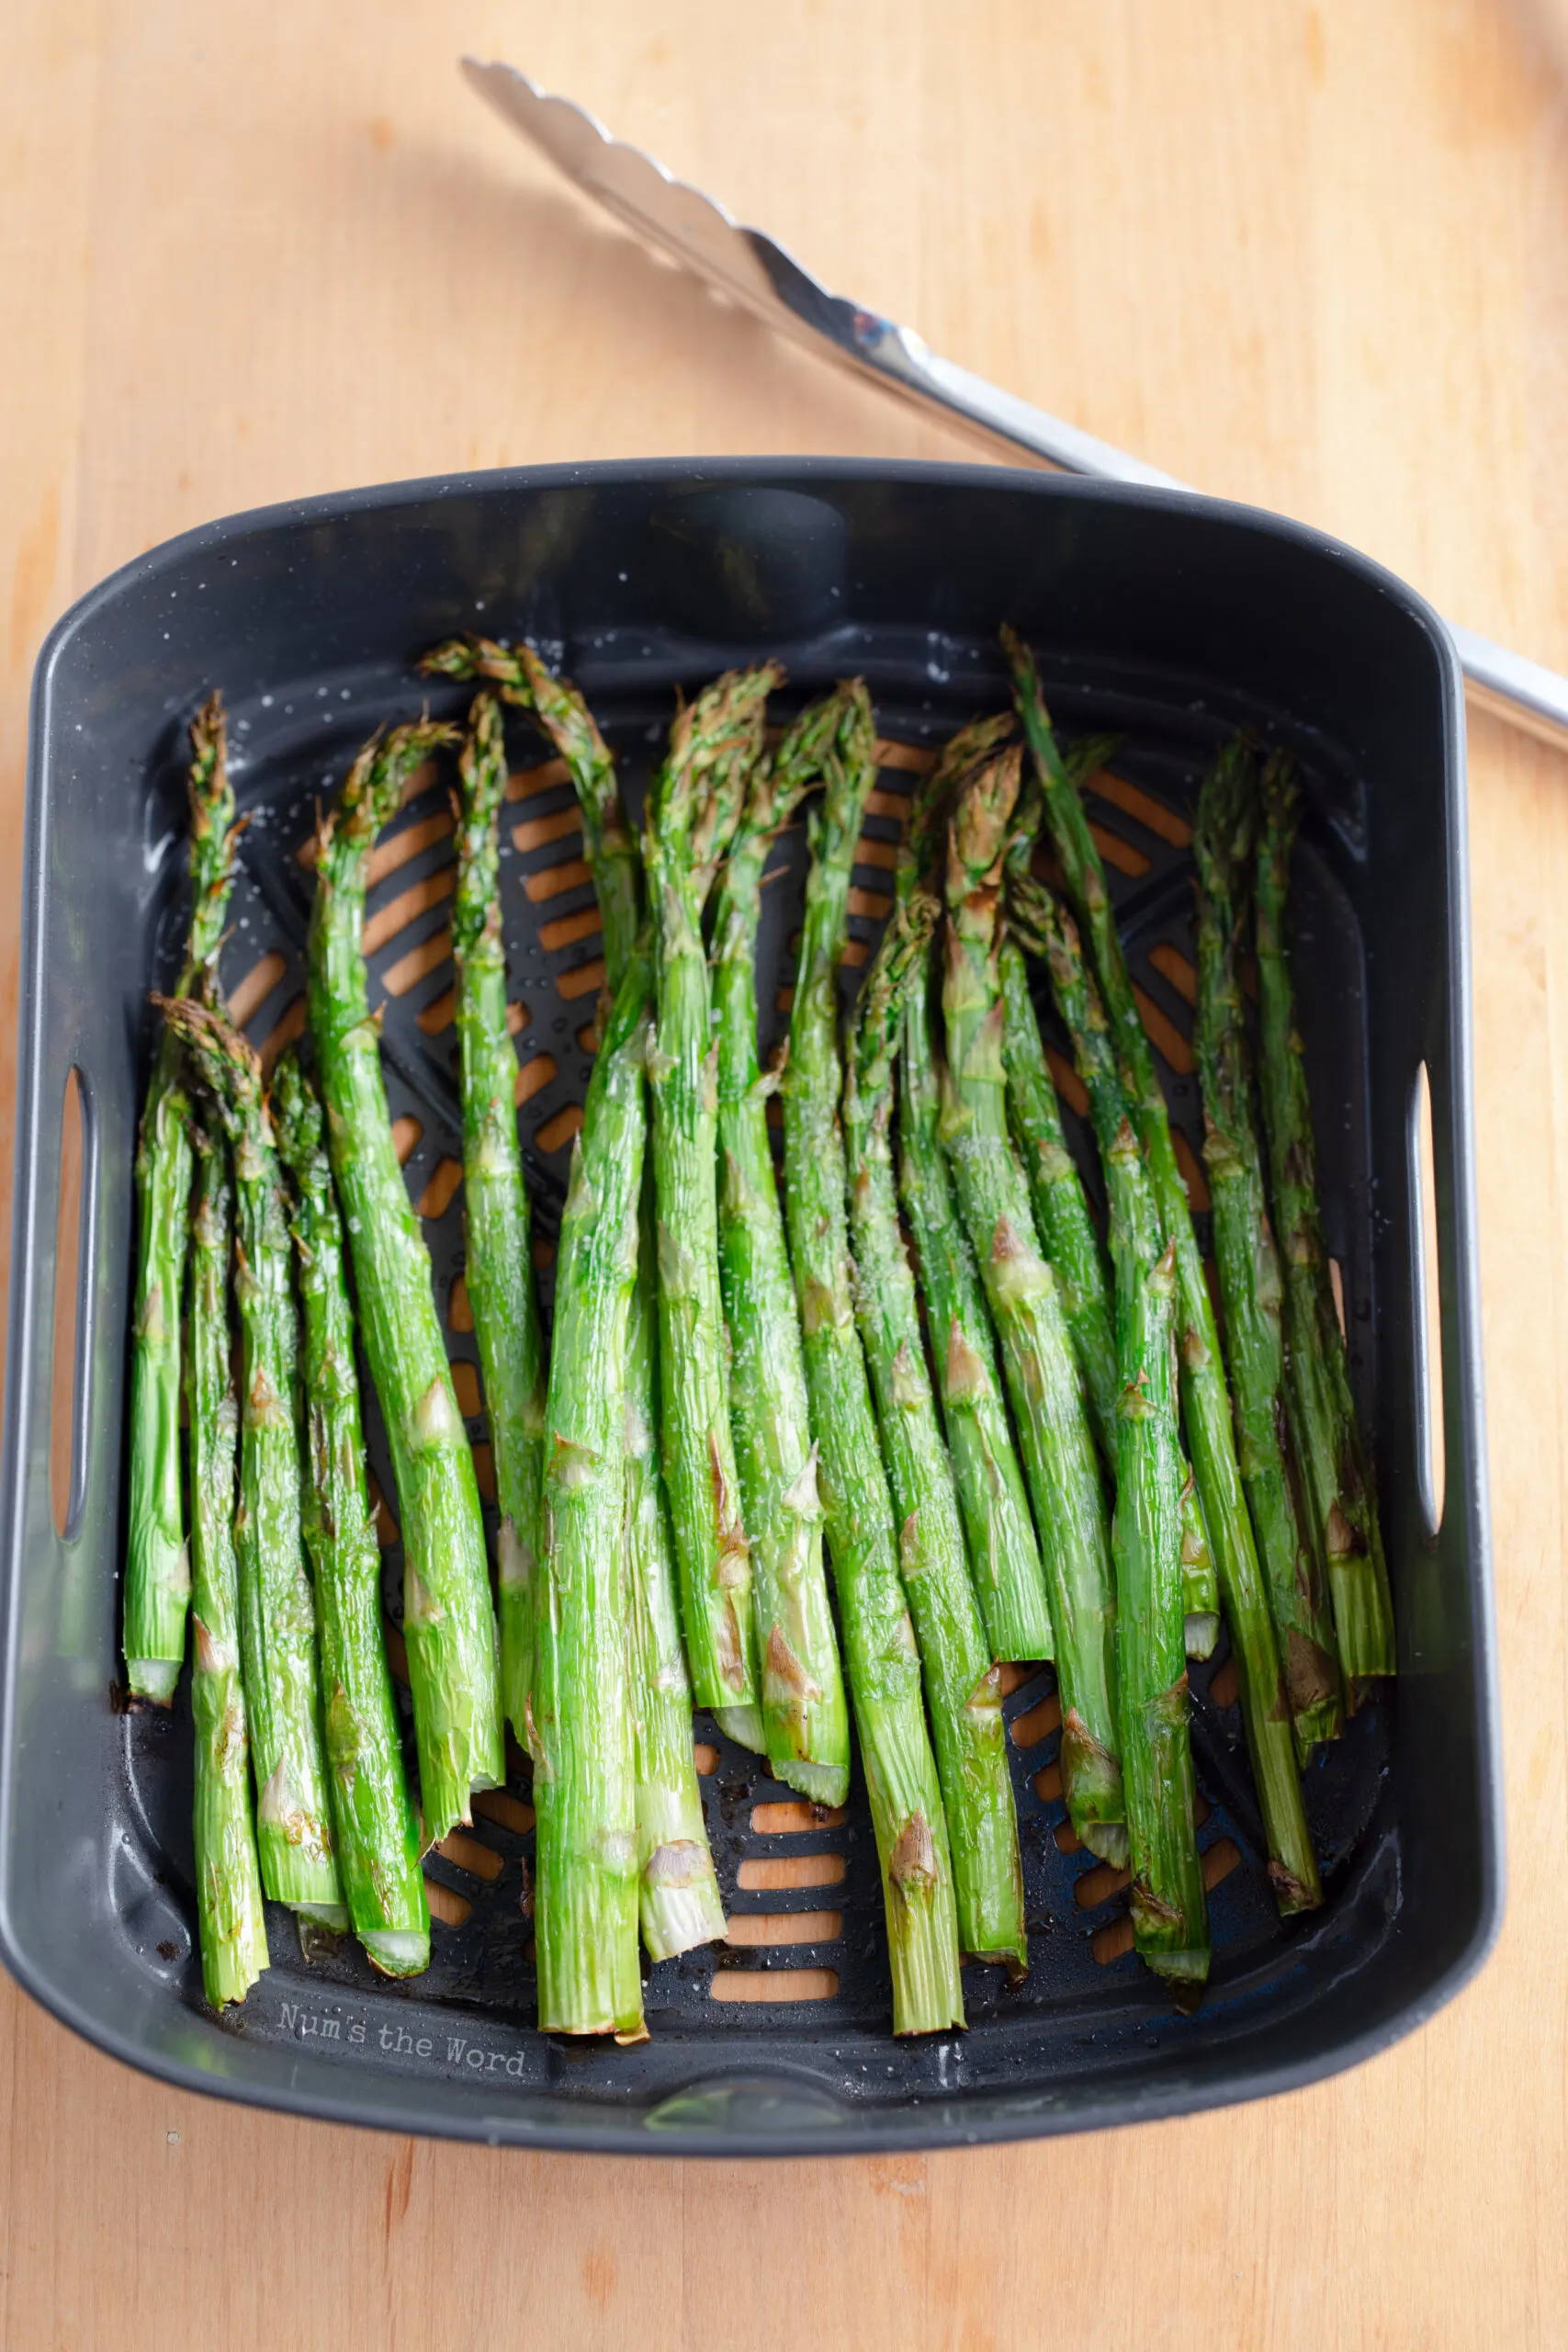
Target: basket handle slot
1426,1303
76,1290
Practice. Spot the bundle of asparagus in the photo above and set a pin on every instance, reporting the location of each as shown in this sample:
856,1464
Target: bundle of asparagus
809,1403
1323,1414
678,1892
1205,1400
448,1622
1250,1283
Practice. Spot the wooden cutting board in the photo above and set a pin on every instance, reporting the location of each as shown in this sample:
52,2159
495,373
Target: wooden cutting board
1308,255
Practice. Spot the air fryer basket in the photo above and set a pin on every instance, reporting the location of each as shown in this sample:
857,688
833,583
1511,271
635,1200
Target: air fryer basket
1168,619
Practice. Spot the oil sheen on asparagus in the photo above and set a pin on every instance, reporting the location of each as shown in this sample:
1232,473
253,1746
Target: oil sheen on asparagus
1004,1551
378,1834
1338,1481
228,1876
448,1622
962,1683
1205,1400
157,1561
677,1888
1170,1915
805,1715
1250,1283
694,808
1055,1436
880,1654
294,1837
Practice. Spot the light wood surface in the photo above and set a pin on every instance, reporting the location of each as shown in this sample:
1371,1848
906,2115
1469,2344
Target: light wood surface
1312,256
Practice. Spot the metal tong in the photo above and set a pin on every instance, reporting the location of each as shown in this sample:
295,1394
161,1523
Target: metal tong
750,268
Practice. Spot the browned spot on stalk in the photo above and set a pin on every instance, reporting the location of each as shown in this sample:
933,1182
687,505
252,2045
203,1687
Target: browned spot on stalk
1344,1541
1224,1684
785,1668
1310,1678
912,1863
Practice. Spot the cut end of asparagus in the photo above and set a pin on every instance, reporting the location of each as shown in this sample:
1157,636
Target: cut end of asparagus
1108,1840
154,1678
398,1952
823,1785
1202,1632
319,1926
1292,1893
743,1725
679,1908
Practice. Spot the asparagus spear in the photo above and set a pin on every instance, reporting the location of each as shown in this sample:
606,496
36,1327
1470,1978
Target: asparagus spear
499,1271
1059,1202
805,1714
586,1901
277,1608
1292,1867
157,1564
964,1695
1169,1918
448,1623
1338,1482
609,843
1057,1194
693,810
678,1895
677,1889
879,1640
1248,1263
1004,1553
377,1834
1041,1372
228,1880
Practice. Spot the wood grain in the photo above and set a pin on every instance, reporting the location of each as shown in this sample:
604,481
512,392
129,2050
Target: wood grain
1308,255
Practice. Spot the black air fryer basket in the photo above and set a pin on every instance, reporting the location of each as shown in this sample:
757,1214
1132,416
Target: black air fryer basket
1169,620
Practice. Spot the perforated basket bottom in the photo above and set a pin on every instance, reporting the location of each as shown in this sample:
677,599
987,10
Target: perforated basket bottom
803,1982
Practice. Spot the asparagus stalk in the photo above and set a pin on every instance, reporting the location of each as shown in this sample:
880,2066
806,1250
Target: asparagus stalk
157,1564
227,1879
1004,1553
693,810
448,1623
1170,1921
586,1903
1205,1404
499,1270
1339,1487
805,1714
1250,1283
378,1834
609,843
963,1684
1057,1194
879,1640
677,1889
1170,1916
1059,1202
678,1897
277,1608
1042,1371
